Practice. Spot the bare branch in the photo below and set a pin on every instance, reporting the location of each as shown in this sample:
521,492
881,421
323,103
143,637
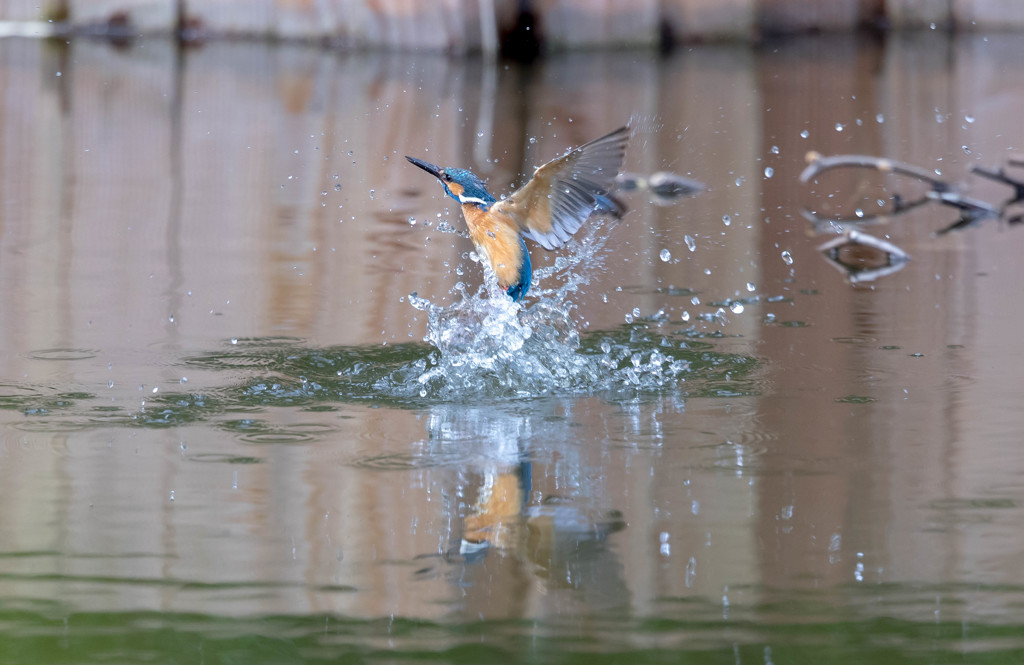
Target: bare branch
819,164
999,175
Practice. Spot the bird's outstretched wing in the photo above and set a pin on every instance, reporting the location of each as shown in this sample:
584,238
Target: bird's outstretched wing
566,191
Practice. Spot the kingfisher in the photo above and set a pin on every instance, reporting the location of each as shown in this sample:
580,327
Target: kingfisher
548,210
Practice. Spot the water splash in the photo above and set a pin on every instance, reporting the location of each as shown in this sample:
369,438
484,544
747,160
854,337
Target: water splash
484,344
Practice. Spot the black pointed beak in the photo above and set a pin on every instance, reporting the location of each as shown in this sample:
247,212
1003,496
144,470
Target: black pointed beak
426,166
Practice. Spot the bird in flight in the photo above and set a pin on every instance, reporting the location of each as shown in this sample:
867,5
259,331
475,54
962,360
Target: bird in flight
549,209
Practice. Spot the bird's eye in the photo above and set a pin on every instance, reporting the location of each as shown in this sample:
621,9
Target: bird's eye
447,177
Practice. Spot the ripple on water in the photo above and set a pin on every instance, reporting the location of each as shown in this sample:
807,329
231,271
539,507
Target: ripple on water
51,425
221,458
407,461
856,399
855,339
62,354
259,432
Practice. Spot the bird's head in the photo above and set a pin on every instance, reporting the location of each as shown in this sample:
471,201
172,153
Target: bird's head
460,184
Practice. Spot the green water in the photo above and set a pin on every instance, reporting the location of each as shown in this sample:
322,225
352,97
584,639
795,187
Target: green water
46,634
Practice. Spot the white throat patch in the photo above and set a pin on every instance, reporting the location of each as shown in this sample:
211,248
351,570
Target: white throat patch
471,199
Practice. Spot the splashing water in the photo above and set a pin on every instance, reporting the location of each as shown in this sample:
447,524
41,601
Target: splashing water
487,345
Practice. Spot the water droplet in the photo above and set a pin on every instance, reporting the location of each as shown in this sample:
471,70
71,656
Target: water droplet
665,255
736,307
879,118
787,512
629,318
685,316
371,194
858,212
172,495
939,118
739,182
636,312
412,221
606,347
804,134
691,244
834,546
787,257
839,127
768,172
533,139
775,150
751,287
234,340
969,119
727,220
966,150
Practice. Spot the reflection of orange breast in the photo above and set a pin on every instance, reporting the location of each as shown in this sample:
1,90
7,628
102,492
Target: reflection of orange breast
498,240
498,508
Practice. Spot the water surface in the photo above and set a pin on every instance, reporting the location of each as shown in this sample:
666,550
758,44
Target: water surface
256,406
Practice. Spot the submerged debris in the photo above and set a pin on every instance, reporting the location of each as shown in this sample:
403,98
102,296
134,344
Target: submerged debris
894,258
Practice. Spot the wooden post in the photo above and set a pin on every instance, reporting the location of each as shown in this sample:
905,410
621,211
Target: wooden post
709,19
919,13
787,16
581,23
135,16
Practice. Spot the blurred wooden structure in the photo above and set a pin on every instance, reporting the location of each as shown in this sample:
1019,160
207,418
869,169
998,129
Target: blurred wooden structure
459,26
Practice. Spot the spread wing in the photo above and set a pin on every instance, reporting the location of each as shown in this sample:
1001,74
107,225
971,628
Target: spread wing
566,191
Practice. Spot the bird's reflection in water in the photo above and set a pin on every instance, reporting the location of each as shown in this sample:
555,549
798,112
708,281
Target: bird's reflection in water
529,529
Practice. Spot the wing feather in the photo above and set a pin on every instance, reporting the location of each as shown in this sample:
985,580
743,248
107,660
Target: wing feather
565,192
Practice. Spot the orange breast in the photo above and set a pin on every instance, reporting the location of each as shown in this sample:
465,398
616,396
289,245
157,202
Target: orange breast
497,239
